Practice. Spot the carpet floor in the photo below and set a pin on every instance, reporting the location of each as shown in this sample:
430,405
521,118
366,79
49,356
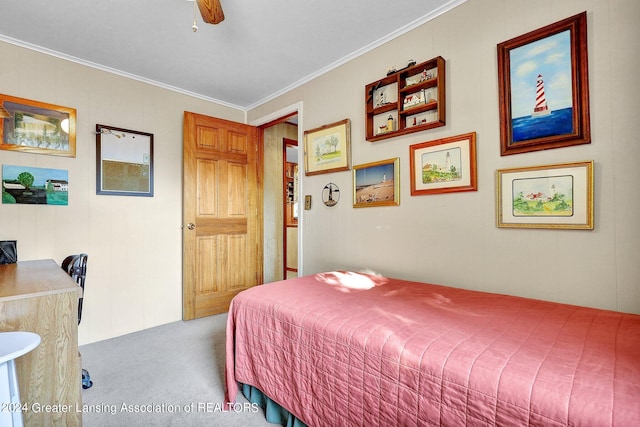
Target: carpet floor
170,375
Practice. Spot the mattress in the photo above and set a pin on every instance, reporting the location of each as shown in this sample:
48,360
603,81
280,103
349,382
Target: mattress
351,349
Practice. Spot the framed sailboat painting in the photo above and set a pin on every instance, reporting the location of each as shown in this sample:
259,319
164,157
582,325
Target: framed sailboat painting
544,89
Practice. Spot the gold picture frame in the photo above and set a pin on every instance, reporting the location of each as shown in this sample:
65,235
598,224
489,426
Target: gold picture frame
377,184
551,196
328,148
37,127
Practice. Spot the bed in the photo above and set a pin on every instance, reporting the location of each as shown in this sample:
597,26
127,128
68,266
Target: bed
354,349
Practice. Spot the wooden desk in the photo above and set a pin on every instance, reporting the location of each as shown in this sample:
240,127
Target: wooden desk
38,296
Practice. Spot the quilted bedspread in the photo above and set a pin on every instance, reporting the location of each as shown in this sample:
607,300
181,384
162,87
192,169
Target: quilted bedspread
350,349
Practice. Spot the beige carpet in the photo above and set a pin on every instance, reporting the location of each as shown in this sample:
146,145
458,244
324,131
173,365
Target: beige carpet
170,375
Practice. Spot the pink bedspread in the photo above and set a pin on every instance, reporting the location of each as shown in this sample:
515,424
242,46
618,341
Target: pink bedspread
347,349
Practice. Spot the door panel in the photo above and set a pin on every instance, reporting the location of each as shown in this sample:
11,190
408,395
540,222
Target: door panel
222,213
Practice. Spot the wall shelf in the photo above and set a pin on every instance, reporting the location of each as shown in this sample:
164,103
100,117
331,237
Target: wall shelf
413,98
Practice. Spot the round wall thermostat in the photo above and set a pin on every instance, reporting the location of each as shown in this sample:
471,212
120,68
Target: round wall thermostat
330,194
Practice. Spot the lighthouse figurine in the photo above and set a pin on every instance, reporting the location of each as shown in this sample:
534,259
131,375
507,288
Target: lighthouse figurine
390,123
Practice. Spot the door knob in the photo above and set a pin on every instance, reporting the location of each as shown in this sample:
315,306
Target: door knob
191,226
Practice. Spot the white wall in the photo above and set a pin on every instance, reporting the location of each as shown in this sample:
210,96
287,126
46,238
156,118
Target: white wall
134,278
452,239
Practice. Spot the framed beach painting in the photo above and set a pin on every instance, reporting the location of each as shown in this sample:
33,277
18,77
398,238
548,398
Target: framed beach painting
377,184
445,165
328,148
37,127
549,196
544,89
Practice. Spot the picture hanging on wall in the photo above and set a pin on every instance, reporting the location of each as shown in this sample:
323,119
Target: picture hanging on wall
37,127
34,186
124,162
544,89
445,165
549,196
328,148
377,184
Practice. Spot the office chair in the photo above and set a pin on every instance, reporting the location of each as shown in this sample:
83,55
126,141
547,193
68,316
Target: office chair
76,267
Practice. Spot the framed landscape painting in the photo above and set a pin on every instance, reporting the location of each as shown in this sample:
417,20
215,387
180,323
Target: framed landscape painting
549,196
37,127
445,165
544,89
328,148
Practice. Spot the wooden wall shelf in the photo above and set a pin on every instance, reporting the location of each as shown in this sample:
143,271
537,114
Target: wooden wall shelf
392,96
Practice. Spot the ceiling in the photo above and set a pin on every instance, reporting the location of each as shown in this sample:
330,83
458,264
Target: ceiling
261,50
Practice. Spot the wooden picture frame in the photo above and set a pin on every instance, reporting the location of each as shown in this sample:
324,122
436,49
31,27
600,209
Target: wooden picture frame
377,184
445,165
37,127
124,162
534,117
328,148
549,196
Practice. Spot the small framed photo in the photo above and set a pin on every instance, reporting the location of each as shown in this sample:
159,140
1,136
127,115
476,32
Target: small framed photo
377,184
445,165
328,148
124,162
550,196
544,89
37,127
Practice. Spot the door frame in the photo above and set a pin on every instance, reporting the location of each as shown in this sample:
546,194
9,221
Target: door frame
274,118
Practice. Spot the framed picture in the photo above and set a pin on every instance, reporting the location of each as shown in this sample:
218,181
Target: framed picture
444,166
544,88
328,148
34,186
551,196
36,127
124,162
377,184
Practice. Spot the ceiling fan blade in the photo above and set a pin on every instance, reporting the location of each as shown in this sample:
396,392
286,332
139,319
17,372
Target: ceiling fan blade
211,11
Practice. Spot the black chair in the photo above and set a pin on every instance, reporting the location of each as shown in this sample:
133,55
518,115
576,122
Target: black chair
76,267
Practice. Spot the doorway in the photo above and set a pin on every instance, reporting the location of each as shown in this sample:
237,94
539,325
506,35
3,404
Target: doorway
290,209
281,243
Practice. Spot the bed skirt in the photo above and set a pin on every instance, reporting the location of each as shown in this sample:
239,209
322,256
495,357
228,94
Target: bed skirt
273,412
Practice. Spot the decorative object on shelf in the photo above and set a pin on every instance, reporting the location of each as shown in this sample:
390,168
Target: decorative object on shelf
393,69
36,127
330,194
414,96
549,196
328,148
34,186
413,100
538,117
377,184
124,162
445,165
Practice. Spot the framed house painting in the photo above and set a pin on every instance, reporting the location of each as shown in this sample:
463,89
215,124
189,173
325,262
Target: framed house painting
544,89
549,196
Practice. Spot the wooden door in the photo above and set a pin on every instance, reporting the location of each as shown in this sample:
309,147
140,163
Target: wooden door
222,213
